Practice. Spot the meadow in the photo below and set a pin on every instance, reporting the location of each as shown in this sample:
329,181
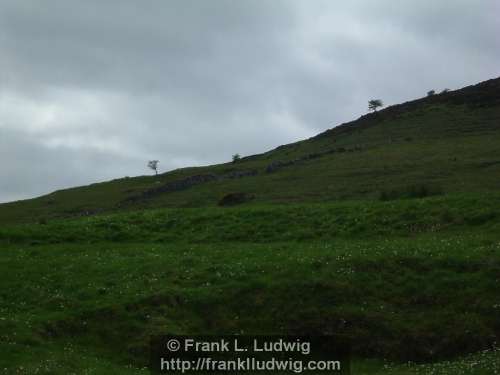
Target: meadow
409,281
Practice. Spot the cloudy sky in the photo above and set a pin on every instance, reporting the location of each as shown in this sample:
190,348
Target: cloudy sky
91,90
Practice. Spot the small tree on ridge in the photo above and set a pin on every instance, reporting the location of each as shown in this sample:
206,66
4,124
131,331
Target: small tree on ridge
153,164
374,104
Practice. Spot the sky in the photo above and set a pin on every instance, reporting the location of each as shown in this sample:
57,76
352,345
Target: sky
91,90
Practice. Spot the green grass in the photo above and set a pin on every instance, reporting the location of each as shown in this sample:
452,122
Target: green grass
486,362
270,223
267,269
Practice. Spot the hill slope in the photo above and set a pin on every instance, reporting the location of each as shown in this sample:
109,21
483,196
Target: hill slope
446,143
403,279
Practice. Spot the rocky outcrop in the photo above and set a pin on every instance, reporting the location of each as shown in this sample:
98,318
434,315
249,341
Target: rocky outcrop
183,184
233,199
239,174
188,182
275,165
278,164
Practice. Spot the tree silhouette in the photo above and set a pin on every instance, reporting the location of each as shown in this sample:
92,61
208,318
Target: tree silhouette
153,164
374,104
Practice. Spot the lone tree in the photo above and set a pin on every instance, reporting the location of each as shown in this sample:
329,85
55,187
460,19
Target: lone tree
153,164
430,93
236,158
374,104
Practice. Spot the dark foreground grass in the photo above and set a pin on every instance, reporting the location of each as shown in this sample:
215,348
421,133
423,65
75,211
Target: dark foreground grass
407,280
486,362
71,307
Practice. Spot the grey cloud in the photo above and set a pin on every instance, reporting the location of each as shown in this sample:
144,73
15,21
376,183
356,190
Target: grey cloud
36,166
99,88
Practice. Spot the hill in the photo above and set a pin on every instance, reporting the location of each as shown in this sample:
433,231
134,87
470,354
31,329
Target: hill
385,230
406,280
446,143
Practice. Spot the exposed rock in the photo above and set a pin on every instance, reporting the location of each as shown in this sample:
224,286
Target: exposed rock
181,184
314,155
275,165
240,174
233,199
188,182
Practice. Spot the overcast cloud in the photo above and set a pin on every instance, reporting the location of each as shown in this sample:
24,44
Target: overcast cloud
90,90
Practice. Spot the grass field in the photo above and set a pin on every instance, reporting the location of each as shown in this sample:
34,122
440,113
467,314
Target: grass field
88,293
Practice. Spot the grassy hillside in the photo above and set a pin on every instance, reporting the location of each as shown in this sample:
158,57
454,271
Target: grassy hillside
385,229
441,144
86,294
264,224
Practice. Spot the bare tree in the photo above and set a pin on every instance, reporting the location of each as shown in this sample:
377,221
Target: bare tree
153,164
374,104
